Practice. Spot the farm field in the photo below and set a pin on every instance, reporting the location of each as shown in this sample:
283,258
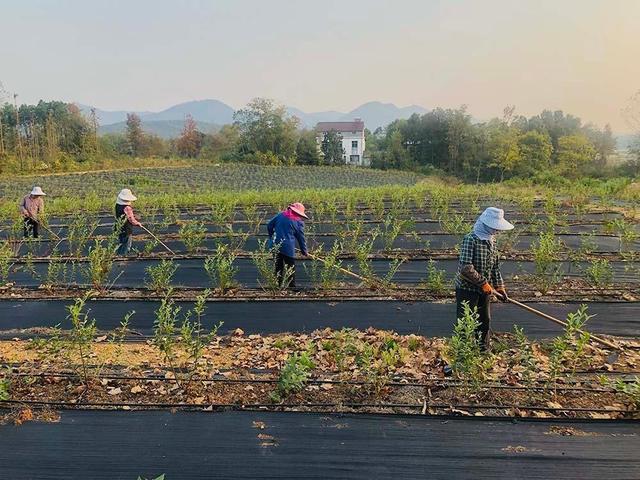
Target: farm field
367,334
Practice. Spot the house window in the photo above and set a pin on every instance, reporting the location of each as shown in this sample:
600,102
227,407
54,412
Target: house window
354,143
354,158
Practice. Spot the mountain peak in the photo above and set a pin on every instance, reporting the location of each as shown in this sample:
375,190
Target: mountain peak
215,112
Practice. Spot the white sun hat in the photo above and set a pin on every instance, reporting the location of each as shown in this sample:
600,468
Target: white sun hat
125,195
493,217
37,191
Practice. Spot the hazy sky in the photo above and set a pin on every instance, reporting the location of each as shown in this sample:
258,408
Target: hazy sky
582,56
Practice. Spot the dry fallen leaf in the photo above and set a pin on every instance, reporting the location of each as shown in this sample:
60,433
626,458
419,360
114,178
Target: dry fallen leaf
136,389
114,391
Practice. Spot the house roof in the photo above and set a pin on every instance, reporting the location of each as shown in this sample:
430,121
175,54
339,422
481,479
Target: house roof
355,126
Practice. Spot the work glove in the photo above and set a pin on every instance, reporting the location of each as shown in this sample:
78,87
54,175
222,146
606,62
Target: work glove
487,289
502,295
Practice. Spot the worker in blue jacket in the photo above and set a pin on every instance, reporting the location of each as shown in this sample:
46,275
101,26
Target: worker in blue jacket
284,230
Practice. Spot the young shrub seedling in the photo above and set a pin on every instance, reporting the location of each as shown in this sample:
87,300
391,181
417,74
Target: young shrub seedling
79,232
175,334
194,338
264,259
362,251
294,375
192,234
160,275
570,347
455,224
436,279
81,336
631,389
545,253
526,358
599,273
57,270
394,266
5,387
463,348
6,253
220,268
101,259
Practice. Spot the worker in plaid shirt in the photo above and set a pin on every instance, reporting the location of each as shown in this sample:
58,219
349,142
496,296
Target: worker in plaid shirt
479,276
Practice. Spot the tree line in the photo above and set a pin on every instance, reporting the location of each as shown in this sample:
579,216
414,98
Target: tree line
449,141
53,135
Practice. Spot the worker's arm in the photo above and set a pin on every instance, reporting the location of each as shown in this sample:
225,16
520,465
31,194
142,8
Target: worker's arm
271,226
496,277
498,282
23,207
128,211
299,234
466,268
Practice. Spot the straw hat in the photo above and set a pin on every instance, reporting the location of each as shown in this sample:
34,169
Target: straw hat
298,208
493,217
125,195
37,192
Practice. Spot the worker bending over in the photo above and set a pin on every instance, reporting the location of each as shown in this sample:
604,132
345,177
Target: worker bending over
284,229
479,275
32,208
125,220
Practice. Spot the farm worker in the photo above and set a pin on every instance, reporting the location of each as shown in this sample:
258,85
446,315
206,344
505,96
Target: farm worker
479,275
284,229
125,220
31,208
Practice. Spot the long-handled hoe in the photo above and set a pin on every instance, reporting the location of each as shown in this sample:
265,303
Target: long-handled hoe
157,240
564,324
343,270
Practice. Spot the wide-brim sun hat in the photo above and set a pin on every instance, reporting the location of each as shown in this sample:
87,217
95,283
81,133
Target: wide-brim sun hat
298,209
37,191
126,196
493,217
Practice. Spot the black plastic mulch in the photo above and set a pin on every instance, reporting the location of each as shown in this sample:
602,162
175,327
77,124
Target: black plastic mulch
122,445
191,272
422,318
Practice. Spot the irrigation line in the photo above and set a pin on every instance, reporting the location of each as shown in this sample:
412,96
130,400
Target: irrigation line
443,382
271,406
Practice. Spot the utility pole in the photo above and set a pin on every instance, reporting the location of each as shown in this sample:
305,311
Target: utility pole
94,126
18,139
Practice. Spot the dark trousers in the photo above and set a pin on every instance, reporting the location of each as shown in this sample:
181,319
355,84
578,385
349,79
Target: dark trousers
30,227
124,243
482,303
286,264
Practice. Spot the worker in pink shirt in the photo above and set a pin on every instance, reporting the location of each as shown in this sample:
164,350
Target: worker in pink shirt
125,220
31,208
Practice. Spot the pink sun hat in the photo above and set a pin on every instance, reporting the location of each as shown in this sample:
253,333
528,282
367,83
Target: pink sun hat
298,209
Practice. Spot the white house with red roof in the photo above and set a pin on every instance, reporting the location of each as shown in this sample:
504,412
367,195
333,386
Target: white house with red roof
353,144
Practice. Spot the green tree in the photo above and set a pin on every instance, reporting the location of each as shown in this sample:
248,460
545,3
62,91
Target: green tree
396,155
535,150
221,144
267,133
134,134
307,152
503,147
574,153
331,147
190,141
603,142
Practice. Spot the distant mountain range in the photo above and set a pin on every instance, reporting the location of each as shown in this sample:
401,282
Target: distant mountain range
162,128
212,114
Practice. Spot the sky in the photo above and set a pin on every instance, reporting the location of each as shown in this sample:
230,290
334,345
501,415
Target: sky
581,56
